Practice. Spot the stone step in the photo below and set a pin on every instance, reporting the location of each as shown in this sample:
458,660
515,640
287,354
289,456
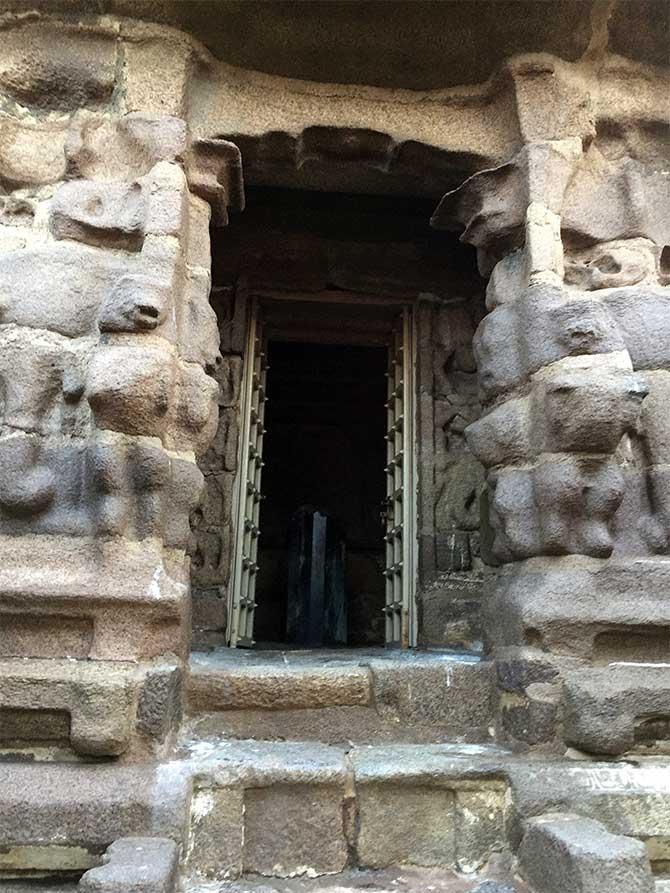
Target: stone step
629,799
60,818
368,692
344,726
562,852
297,808
236,808
291,808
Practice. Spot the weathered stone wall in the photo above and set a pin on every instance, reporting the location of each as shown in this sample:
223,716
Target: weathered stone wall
571,362
451,565
107,347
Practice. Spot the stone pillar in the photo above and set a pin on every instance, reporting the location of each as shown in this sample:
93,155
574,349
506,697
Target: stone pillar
572,361
108,345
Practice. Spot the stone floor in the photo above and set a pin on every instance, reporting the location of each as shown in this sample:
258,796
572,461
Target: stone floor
397,880
404,880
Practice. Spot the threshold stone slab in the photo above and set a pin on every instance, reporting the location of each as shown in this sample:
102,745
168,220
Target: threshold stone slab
276,687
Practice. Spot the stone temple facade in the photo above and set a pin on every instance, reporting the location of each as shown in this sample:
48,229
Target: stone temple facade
201,202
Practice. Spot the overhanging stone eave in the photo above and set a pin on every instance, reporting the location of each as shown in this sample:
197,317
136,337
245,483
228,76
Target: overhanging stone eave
358,138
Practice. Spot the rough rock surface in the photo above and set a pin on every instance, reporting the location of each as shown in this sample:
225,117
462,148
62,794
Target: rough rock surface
135,865
571,383
563,852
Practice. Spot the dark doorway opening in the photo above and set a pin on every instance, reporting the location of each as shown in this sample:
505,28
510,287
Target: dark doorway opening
325,420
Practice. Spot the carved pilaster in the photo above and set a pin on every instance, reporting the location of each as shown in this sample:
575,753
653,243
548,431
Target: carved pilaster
571,361
108,348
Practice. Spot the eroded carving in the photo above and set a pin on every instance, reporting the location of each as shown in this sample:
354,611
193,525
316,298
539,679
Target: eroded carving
215,174
107,340
571,362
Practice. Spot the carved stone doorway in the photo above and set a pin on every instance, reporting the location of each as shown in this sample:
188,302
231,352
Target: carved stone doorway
327,420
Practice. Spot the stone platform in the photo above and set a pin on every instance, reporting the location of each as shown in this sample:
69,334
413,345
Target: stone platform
358,696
